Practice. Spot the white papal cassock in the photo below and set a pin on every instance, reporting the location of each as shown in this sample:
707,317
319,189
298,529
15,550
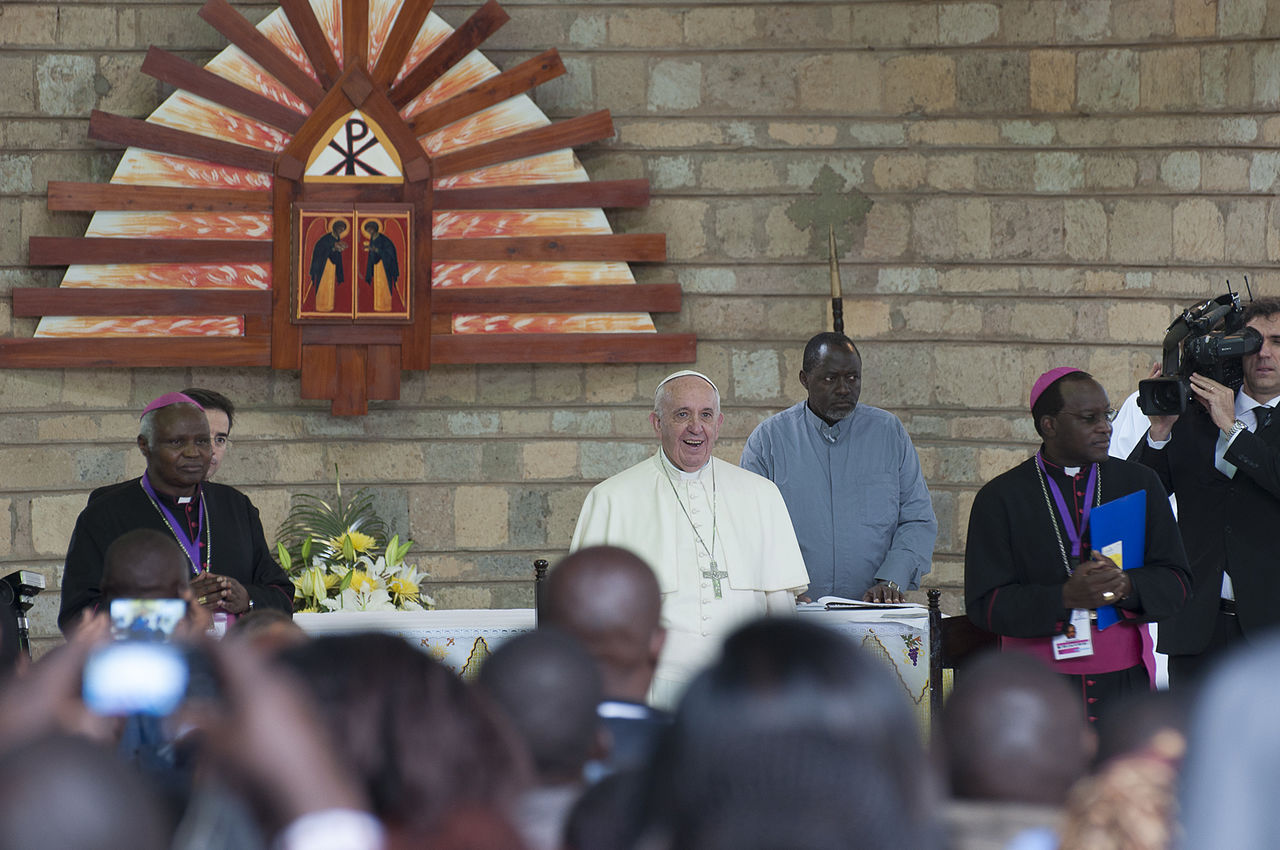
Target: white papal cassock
639,509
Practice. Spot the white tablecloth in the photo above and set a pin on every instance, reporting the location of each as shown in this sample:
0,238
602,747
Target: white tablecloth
462,639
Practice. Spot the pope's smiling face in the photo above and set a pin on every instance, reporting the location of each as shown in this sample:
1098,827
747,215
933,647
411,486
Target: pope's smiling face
688,422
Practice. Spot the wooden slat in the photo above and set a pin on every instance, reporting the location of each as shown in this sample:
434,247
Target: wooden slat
319,372
352,397
312,38
384,372
413,159
563,134
474,30
623,298
564,348
403,33
518,80
119,196
636,247
602,193
106,127
178,72
330,109
349,334
65,250
349,193
355,34
233,26
415,353
66,301
286,348
90,353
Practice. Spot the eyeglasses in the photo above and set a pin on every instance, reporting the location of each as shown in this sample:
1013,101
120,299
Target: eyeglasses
1091,419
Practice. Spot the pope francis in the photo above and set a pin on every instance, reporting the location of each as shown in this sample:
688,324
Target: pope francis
718,537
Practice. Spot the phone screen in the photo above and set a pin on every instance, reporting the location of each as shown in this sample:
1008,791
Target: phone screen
146,619
132,677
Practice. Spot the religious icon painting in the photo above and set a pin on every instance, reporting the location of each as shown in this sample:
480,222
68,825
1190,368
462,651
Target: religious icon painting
324,285
383,243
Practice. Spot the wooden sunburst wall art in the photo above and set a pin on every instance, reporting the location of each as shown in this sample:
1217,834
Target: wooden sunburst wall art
349,189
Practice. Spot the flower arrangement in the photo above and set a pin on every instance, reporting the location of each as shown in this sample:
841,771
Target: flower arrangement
331,553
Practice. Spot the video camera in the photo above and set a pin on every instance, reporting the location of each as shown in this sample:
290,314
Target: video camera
1210,338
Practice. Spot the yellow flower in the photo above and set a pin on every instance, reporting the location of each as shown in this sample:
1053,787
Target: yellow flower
403,587
332,580
360,542
311,583
362,582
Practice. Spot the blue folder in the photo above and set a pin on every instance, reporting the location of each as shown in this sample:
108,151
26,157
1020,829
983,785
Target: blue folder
1122,521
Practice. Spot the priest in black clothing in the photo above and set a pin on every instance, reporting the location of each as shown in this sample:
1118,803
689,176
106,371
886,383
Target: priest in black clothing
1030,571
217,526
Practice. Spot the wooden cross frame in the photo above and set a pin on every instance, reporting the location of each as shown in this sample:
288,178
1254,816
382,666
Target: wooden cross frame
217,262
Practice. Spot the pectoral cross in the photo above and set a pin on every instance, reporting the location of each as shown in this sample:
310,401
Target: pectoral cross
715,575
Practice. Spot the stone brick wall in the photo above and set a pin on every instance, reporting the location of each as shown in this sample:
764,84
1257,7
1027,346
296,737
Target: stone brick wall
1019,184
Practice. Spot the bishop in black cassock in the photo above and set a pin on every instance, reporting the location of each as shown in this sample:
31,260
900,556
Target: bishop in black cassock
1028,559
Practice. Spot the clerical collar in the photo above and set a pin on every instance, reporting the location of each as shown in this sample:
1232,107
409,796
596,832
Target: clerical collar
684,476
1068,471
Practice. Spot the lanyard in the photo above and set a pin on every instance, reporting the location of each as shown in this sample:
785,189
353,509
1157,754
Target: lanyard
192,548
1074,532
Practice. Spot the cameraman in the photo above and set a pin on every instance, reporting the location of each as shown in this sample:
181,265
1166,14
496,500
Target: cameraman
1221,458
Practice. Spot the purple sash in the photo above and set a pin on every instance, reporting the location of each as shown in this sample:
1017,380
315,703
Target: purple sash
1074,532
192,548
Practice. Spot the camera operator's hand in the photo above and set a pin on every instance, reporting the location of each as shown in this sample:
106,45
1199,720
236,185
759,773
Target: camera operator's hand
1095,583
1161,426
1220,401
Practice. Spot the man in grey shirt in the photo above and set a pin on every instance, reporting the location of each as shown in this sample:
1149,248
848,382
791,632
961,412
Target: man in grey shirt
851,480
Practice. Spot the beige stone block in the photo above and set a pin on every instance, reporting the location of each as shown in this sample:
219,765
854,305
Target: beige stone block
866,319
906,279
563,507
953,173
72,427
1085,230
7,518
548,459
1193,18
552,382
1141,232
1141,20
669,134
783,238
1110,171
610,383
17,85
430,512
29,389
1103,281
956,365
1028,21
1170,78
1199,232
1059,171
947,228
899,171
95,388
924,83
1027,229
622,82
1037,319
1270,130
888,231
480,517
52,520
1129,321
1246,231
945,318
894,24
960,133
525,422
756,375
842,83
1241,17
967,23
736,173
645,27
1266,75
29,25
720,26
993,462
800,134
980,428
675,85
685,223
1108,81
750,83
379,461
1180,171
983,279
1083,20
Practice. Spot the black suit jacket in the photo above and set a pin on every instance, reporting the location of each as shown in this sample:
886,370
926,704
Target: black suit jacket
1227,524
239,546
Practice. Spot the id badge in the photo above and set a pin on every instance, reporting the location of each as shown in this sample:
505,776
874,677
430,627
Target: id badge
1077,639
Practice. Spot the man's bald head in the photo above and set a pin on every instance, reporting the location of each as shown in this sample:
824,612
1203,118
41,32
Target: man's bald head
144,564
608,599
1014,731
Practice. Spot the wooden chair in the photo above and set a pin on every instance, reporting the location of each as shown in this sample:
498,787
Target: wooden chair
951,641
539,576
